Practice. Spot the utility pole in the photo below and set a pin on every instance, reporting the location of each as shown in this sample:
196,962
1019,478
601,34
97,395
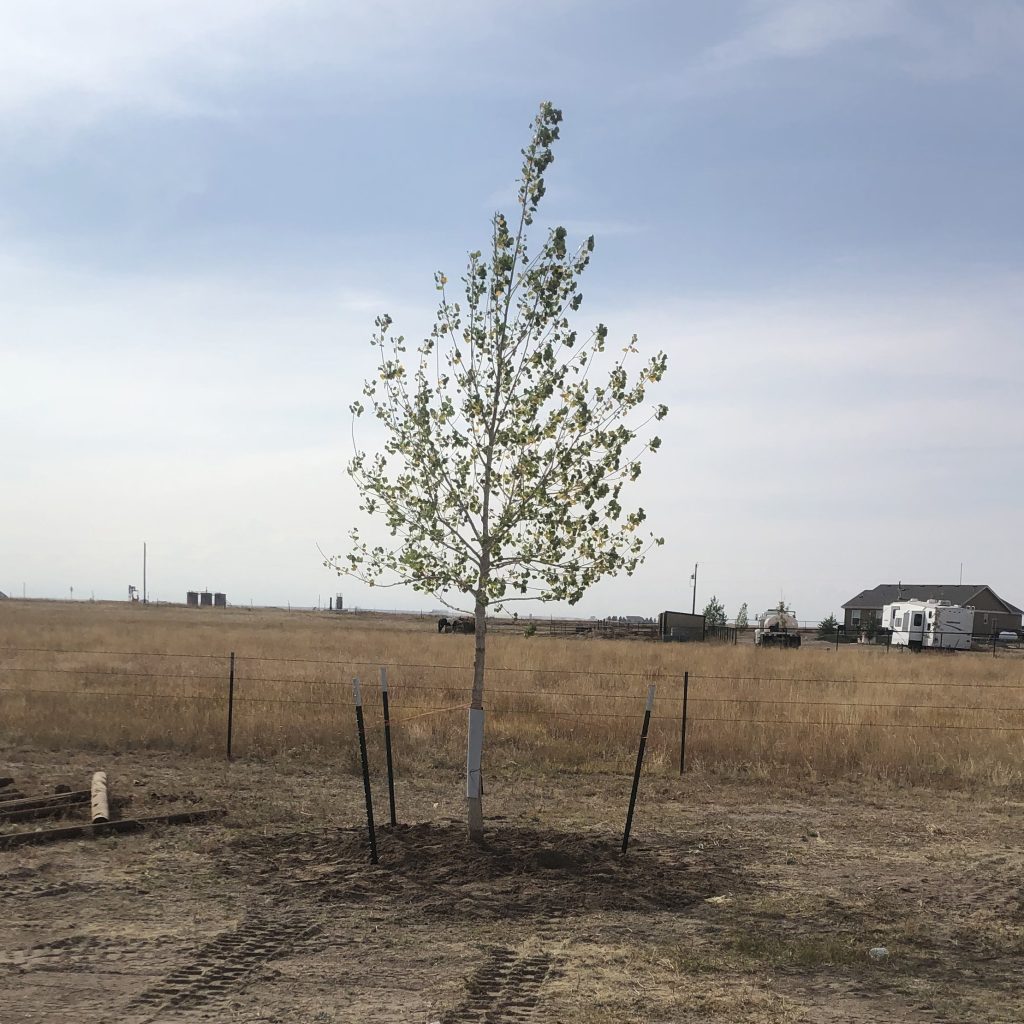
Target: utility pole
693,607
144,596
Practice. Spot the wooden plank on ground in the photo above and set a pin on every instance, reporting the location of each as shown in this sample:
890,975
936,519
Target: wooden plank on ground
51,835
31,813
82,796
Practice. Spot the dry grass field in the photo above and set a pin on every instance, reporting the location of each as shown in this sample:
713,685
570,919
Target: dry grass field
551,702
754,891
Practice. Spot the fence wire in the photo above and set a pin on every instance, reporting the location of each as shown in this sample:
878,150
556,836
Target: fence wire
504,701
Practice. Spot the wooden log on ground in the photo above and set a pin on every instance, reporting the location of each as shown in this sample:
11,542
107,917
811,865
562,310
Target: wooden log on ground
6,781
100,804
50,835
82,796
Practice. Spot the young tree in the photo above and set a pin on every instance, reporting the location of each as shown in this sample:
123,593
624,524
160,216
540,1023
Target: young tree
714,613
827,627
742,618
502,473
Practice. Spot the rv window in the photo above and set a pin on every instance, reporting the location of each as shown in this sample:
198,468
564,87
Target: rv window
917,618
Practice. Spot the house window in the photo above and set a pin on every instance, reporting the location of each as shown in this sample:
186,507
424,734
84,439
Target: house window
855,617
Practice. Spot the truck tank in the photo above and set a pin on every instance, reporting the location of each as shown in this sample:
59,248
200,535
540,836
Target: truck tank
777,628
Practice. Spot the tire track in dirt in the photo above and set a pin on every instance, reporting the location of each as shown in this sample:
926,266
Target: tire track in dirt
505,988
84,953
217,969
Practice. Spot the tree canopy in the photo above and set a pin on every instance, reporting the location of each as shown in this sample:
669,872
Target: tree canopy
714,612
505,458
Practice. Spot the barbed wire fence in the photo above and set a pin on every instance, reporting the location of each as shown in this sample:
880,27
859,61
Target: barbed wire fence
266,705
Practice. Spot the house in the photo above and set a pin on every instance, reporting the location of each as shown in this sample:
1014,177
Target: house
991,612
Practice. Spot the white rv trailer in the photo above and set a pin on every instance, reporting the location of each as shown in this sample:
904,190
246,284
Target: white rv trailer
938,624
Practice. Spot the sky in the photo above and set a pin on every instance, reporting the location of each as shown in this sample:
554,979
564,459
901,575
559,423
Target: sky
813,206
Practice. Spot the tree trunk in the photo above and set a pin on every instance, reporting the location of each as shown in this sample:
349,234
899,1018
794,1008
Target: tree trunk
475,744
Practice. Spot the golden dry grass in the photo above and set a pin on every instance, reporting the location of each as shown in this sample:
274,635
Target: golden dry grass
162,681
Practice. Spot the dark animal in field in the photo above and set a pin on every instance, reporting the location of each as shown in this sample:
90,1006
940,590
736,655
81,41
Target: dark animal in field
464,624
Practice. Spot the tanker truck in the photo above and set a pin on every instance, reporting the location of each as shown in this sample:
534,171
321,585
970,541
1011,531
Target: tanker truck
777,628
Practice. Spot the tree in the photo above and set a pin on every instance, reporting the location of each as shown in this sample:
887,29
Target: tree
828,627
505,456
742,621
714,613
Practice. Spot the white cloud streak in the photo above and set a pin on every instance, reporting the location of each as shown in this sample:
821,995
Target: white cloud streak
926,38
76,63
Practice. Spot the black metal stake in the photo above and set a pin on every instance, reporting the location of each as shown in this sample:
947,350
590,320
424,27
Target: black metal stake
231,700
682,739
639,765
360,727
387,743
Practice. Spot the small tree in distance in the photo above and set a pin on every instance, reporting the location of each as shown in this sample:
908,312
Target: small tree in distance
508,440
714,613
827,627
742,620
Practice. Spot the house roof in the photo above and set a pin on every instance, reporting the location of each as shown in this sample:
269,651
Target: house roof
955,593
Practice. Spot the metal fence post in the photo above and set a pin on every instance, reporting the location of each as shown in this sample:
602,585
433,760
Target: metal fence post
231,700
361,729
387,742
682,738
639,764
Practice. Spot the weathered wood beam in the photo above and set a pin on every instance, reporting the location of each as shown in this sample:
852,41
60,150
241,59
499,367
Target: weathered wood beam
82,796
106,828
31,813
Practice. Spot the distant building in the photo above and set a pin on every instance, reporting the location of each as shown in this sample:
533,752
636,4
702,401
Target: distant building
991,612
3,596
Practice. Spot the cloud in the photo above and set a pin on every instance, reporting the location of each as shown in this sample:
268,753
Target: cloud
928,38
803,28
118,53
75,63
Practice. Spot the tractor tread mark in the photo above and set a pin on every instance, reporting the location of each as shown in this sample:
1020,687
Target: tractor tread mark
217,968
506,987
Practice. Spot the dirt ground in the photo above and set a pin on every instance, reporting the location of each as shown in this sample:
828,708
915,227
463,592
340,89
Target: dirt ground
739,900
